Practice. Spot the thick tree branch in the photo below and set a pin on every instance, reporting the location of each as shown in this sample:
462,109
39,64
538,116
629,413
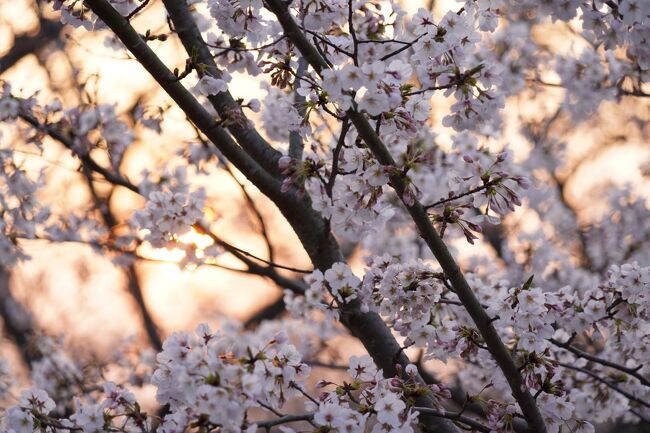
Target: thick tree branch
310,227
188,103
420,217
247,136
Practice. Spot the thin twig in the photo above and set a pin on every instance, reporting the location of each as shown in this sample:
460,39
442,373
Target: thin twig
455,416
284,420
610,384
634,372
135,11
470,192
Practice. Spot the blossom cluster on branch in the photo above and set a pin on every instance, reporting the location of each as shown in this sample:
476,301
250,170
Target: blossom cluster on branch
549,332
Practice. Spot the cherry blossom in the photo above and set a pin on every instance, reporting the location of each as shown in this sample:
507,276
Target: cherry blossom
385,140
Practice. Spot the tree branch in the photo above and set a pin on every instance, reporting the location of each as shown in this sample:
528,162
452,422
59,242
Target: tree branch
419,215
192,108
247,136
133,281
285,419
307,223
608,383
310,227
634,372
455,416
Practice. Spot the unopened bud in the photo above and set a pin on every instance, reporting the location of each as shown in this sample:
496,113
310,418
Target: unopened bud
285,162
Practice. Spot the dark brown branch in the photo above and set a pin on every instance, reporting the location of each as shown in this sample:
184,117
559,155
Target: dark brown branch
457,417
247,136
255,210
608,383
307,223
151,328
284,420
316,36
419,215
133,281
243,253
353,34
634,372
329,186
138,9
466,193
192,108
401,49
480,318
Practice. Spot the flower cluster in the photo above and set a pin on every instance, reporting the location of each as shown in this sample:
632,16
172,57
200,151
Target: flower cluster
578,333
326,292
588,83
279,116
34,403
351,201
98,127
405,294
171,211
207,378
369,400
21,214
221,376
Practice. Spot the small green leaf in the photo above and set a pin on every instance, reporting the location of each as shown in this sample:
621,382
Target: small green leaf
528,283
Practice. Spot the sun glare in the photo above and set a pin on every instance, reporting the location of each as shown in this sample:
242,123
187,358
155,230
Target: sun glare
195,241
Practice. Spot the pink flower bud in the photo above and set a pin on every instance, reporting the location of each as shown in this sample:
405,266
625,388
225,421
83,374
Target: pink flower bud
254,105
285,162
